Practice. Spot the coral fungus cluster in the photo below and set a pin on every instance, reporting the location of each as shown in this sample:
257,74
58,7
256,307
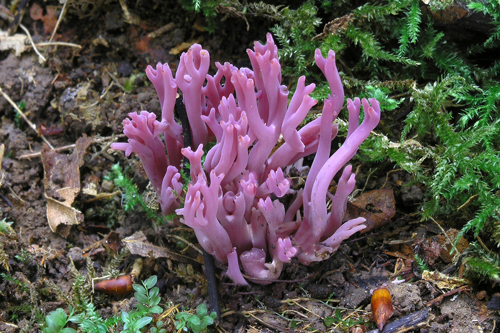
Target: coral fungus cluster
233,198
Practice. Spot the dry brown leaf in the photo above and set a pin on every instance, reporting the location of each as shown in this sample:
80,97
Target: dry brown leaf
138,244
62,185
15,42
377,207
446,247
61,216
443,281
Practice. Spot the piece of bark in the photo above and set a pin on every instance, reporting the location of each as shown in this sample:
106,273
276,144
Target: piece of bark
405,323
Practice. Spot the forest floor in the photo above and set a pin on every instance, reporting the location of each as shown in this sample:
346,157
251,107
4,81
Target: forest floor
83,93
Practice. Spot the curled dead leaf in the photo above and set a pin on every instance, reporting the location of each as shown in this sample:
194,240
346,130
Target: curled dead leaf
443,281
62,185
62,216
138,244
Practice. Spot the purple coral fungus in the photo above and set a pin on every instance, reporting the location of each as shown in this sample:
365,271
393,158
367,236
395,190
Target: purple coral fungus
229,201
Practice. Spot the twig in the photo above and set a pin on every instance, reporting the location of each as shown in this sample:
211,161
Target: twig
185,241
59,19
387,176
38,154
104,196
129,17
161,30
115,81
370,173
405,324
213,295
483,245
439,299
468,201
33,126
349,315
18,198
270,325
58,44
41,58
307,310
6,200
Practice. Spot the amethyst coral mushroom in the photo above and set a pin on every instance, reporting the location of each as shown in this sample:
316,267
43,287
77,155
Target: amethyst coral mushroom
232,200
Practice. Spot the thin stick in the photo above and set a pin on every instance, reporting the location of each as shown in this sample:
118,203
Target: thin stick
58,44
40,56
161,30
33,126
38,154
185,241
468,201
439,299
483,245
59,19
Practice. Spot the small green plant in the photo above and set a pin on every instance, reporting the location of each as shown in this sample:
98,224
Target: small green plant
337,318
17,119
483,264
159,328
207,7
15,281
129,84
6,228
381,95
147,296
130,194
90,320
24,257
422,265
195,322
56,321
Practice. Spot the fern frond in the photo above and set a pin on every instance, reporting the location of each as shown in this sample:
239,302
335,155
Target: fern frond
411,28
372,49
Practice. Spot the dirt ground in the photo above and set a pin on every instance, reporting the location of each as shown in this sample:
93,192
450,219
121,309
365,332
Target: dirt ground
87,91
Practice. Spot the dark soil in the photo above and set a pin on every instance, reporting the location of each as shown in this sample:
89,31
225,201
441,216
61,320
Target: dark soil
69,94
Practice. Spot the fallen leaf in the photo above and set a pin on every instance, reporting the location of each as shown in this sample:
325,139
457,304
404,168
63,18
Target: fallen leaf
61,216
431,250
113,241
443,281
377,207
15,42
446,247
138,244
62,185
